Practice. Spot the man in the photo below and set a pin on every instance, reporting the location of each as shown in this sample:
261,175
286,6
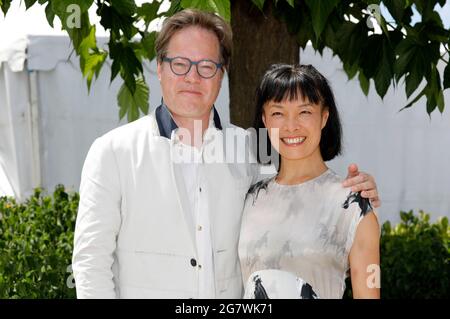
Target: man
160,211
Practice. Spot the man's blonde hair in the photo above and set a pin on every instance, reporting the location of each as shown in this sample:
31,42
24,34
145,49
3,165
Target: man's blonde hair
205,20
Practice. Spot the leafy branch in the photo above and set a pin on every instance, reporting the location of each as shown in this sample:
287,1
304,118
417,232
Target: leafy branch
402,52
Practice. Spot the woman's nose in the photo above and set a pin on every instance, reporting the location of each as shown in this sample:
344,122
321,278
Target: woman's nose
292,124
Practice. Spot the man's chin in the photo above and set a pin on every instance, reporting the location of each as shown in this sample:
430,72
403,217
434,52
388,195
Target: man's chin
193,112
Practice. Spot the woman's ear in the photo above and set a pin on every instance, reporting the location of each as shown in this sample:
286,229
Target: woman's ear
325,115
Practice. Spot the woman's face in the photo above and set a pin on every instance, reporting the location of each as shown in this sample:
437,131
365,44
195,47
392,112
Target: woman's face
295,127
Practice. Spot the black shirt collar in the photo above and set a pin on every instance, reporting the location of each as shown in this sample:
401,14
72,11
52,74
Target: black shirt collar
166,124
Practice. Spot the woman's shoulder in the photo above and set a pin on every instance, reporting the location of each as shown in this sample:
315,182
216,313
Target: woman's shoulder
349,199
346,198
332,184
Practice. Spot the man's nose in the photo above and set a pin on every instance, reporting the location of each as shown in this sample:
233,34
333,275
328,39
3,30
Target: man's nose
192,76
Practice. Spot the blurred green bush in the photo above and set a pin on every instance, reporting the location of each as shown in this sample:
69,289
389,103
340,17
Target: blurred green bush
36,242
415,258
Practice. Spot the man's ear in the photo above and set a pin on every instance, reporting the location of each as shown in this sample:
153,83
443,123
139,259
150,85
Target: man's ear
325,115
158,70
222,75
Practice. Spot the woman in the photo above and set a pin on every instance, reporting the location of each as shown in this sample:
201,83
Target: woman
302,232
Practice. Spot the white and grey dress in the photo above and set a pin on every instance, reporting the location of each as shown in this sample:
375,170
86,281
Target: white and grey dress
295,239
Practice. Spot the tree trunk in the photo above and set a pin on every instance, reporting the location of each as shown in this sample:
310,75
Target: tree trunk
259,39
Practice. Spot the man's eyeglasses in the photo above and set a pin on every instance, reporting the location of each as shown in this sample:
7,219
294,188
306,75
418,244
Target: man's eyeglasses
181,66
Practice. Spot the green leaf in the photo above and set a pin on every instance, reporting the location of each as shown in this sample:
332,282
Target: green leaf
447,77
78,34
405,52
148,43
259,4
372,55
383,77
64,7
440,101
320,11
431,103
351,70
364,83
124,7
131,103
149,11
351,39
435,97
4,5
422,93
305,29
130,67
92,66
291,3
398,9
72,12
91,58
115,69
29,3
222,7
125,61
175,6
412,81
116,22
49,14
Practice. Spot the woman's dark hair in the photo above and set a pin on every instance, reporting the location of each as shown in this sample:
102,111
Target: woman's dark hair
285,82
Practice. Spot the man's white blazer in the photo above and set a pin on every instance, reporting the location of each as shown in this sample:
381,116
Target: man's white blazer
134,235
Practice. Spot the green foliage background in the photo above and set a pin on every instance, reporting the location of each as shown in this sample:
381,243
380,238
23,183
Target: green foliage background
36,242
415,258
401,53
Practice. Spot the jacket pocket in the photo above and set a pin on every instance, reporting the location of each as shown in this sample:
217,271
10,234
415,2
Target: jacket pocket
156,271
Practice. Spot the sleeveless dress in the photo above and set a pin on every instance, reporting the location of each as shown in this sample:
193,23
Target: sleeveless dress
295,239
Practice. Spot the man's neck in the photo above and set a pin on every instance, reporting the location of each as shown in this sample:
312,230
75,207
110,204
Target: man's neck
191,130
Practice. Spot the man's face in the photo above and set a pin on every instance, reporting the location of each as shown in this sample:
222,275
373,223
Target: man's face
191,96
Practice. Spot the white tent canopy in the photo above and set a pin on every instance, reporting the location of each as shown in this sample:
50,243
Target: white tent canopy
48,121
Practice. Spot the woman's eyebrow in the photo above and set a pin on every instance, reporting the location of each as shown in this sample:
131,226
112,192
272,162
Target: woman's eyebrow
279,106
276,105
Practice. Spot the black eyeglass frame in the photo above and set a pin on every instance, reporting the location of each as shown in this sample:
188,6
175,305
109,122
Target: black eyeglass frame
196,63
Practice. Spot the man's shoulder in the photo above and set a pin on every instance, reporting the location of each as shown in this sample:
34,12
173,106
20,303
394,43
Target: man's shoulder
130,131
128,135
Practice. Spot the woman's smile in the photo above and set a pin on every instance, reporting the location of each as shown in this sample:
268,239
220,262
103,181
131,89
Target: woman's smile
293,141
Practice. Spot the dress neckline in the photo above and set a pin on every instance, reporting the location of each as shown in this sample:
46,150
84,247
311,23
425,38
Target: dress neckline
275,183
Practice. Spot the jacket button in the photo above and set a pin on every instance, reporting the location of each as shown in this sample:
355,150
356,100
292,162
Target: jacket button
193,262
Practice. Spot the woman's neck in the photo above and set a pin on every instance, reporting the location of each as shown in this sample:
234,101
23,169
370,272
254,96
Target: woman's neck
301,170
